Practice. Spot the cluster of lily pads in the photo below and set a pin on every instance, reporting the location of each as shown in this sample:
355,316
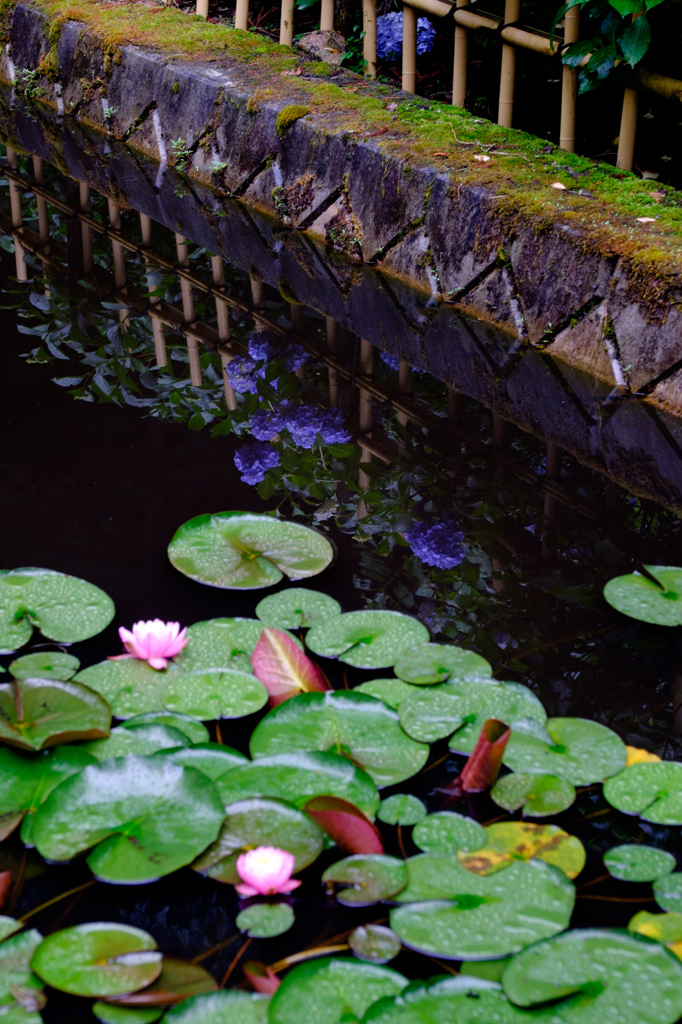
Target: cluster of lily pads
153,794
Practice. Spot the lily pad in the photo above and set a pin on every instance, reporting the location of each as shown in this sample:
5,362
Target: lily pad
537,793
211,759
15,970
640,598
247,551
221,643
225,1007
297,608
401,809
145,817
476,917
298,777
45,665
362,728
633,863
265,920
64,608
608,976
430,663
8,926
131,687
178,980
39,713
653,790
215,693
112,1014
143,739
372,639
194,730
462,708
374,943
98,959
509,841
392,691
582,752
373,877
447,832
668,892
329,991
26,781
260,822
663,928
462,1000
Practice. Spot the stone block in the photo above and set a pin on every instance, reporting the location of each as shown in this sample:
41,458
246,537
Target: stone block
465,237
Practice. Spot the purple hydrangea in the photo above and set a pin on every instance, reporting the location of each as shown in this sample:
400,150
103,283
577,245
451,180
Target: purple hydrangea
390,35
391,361
242,375
305,422
253,460
265,347
438,544
267,423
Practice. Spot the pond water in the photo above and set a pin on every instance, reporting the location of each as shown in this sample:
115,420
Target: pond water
107,453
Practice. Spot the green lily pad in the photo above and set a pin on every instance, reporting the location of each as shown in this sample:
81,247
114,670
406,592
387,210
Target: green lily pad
143,739
430,663
298,777
247,551
194,730
225,1007
26,781
45,665
211,759
8,926
663,928
668,892
392,691
220,643
39,713
297,608
372,639
509,841
329,991
64,608
15,970
653,790
112,1014
491,970
178,980
360,727
260,822
144,816
401,809
215,693
608,976
465,706
265,920
98,959
583,751
640,598
374,943
462,1000
538,794
632,863
373,877
447,832
478,917
131,687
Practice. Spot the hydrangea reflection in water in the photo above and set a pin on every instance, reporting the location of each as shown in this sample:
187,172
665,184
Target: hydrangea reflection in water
265,871
438,544
390,35
153,641
263,347
254,460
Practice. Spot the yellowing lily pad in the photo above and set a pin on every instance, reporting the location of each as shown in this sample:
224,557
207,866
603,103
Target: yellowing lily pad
509,841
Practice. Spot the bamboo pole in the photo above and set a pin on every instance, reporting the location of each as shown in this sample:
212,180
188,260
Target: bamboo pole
460,62
195,374
241,14
202,8
628,130
409,80
332,333
569,85
41,204
286,23
86,233
365,417
404,386
327,16
369,42
153,279
17,218
222,313
505,115
466,18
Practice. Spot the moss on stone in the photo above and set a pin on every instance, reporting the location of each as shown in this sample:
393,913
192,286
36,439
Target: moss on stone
288,115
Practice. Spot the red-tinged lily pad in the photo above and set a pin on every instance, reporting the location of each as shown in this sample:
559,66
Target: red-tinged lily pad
26,781
145,818
178,980
224,1007
345,824
283,668
369,877
297,608
98,959
247,550
329,991
40,713
260,977
653,790
509,841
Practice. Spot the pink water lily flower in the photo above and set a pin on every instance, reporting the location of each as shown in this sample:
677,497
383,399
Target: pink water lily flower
154,641
265,871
